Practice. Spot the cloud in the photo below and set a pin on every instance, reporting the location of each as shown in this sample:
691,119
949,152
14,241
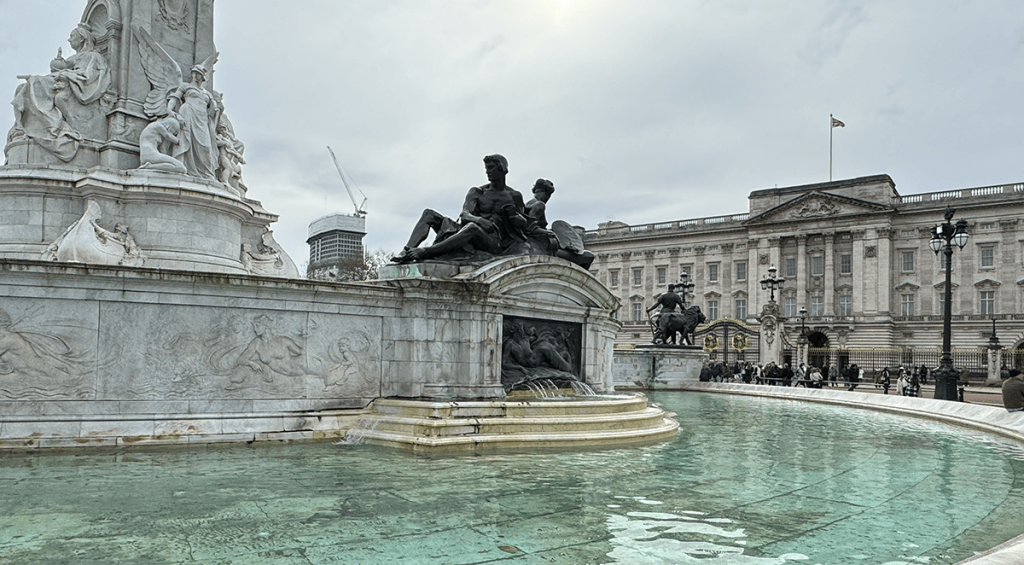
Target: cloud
645,111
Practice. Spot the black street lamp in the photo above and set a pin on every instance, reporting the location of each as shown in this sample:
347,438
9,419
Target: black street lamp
685,285
772,282
943,238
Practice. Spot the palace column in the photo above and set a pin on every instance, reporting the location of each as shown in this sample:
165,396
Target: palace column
830,274
801,271
725,275
754,275
858,296
882,271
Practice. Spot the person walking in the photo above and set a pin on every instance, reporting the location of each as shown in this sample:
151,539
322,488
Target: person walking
914,388
884,380
902,382
833,375
801,375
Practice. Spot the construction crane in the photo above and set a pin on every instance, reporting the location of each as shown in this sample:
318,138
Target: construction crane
360,210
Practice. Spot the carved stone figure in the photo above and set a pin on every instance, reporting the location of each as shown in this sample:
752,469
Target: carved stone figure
267,355
196,108
230,150
816,207
36,363
157,143
268,258
84,77
174,13
85,241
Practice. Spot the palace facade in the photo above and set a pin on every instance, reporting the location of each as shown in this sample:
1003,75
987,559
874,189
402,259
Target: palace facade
853,252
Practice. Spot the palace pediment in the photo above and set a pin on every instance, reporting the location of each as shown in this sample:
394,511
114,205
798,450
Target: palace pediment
816,205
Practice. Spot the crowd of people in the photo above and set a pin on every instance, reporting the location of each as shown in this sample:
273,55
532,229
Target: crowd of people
908,381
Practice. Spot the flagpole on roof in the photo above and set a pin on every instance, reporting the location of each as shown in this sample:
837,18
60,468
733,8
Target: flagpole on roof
832,124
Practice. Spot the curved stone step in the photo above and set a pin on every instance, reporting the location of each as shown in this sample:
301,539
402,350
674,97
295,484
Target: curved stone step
431,427
480,425
666,430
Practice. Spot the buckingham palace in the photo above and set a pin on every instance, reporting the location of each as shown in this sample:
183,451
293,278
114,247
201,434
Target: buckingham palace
854,255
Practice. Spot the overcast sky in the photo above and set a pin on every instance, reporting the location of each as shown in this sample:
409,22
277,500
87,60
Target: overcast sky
639,111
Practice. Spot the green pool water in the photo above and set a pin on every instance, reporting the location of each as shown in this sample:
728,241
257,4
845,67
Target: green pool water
746,481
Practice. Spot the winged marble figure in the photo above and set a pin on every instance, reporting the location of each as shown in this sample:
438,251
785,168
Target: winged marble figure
196,109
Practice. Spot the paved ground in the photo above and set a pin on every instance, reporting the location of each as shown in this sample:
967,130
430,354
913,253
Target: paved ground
990,396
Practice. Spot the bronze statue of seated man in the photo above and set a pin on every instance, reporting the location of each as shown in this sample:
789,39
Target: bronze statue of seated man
493,220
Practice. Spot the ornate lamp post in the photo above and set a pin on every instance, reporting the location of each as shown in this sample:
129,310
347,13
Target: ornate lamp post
684,286
943,238
772,282
801,340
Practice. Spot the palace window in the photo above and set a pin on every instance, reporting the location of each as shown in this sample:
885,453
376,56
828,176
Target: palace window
906,304
790,267
662,275
638,312
741,271
908,261
988,254
988,303
741,308
817,306
789,306
845,263
638,277
712,272
712,310
613,278
846,304
817,265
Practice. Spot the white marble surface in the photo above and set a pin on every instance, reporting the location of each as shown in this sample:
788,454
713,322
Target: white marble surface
93,353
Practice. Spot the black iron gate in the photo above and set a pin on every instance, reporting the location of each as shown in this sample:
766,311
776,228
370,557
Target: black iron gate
729,340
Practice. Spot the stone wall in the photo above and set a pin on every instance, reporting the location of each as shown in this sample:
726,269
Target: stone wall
92,352
658,368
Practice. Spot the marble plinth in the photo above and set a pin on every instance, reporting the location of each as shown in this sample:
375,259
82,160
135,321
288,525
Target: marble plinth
658,367
178,222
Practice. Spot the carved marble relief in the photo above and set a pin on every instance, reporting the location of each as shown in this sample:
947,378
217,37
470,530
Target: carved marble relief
816,207
44,358
85,241
174,13
267,258
216,353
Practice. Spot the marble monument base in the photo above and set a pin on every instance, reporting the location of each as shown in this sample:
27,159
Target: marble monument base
658,367
101,355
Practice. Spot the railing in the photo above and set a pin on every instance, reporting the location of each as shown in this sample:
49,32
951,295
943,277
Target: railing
964,193
974,360
680,224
